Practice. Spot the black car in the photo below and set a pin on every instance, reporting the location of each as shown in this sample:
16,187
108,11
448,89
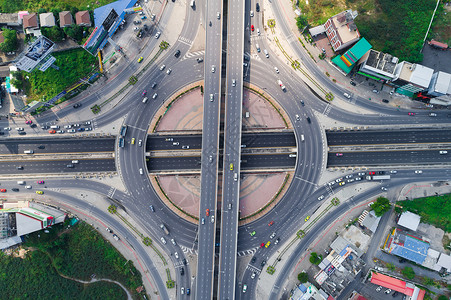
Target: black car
177,53
45,127
302,102
15,189
257,7
353,83
253,259
41,147
20,168
77,105
184,261
200,59
308,120
33,125
182,271
385,100
2,133
263,263
396,293
22,133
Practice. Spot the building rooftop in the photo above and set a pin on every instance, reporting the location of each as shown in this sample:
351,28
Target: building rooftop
407,246
30,21
8,18
371,221
347,61
47,20
317,30
421,75
382,61
444,261
397,285
65,18
82,17
409,220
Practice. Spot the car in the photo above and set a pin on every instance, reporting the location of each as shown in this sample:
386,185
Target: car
339,179
77,105
393,171
258,31
251,13
302,103
52,131
432,115
154,85
320,197
80,129
22,133
15,189
253,233
200,59
244,288
33,125
188,291
76,125
133,141
358,178
182,271
211,98
218,15
154,96
169,139
308,120
28,186
71,130
203,221
350,180
140,143
144,93
140,59
169,71
263,263
177,53
297,117
40,181
253,275
88,128
396,293
137,22
443,152
262,245
375,91
69,166
418,172
163,240
157,35
372,173
60,131
384,188
342,183
353,83
252,27
3,190
213,69
210,158
8,128
152,208
272,235
152,17
276,69
231,167
212,219
387,291
175,143
385,101
349,176
339,154
20,168
347,95
271,223
233,82
411,114
67,126
39,192
277,241
266,53
185,147
109,230
257,7
306,219
207,212
253,259
162,67
378,289
176,255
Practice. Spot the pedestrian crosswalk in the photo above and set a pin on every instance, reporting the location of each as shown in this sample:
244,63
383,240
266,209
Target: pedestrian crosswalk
327,109
247,252
111,192
189,55
257,37
185,41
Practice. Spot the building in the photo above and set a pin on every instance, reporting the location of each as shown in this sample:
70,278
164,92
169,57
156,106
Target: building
341,30
24,217
106,21
317,30
443,264
349,59
369,220
411,78
38,54
406,246
408,289
307,291
440,89
409,220
47,20
66,19
82,18
378,66
30,22
10,20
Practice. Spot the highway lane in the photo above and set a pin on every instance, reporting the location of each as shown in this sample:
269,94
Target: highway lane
249,139
55,166
377,137
57,145
389,158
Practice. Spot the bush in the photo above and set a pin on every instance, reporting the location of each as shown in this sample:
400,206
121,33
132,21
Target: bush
53,33
408,273
381,206
315,258
10,42
303,277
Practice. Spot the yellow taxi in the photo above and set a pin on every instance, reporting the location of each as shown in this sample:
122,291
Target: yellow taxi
231,167
133,141
39,192
140,59
267,244
306,219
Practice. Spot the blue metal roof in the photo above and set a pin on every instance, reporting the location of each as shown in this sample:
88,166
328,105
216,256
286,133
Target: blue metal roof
412,249
102,12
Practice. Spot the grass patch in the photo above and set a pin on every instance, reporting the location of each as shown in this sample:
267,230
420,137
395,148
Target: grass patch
441,26
78,253
435,210
74,64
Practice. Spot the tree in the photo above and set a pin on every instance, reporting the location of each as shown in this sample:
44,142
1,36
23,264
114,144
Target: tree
41,11
10,42
74,31
301,22
442,297
54,33
381,206
408,273
391,267
315,258
17,80
303,277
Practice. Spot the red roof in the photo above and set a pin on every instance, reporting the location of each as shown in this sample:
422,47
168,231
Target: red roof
438,44
391,283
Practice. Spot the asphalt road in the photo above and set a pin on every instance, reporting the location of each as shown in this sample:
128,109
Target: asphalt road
56,166
377,137
57,145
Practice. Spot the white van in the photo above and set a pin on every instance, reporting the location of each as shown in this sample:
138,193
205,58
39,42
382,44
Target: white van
75,161
145,99
192,3
141,171
292,155
28,152
258,47
55,127
266,53
21,182
302,137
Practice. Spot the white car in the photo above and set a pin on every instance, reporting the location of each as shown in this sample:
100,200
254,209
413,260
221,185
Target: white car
155,96
253,275
347,95
7,128
258,31
169,71
212,219
443,152
212,98
320,197
173,242
252,13
140,143
163,240
213,69
272,235
157,35
277,70
162,67
418,172
28,186
67,126
71,130
176,255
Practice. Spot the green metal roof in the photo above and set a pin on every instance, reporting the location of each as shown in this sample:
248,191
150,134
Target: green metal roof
352,56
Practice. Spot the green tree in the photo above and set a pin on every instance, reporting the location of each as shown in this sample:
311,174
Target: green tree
315,258
41,11
408,273
301,22
17,80
391,267
381,206
10,42
442,297
74,31
54,33
303,277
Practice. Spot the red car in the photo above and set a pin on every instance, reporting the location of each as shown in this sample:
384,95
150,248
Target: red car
270,223
252,27
3,190
144,93
262,245
52,131
411,114
28,122
40,182
339,154
207,212
372,173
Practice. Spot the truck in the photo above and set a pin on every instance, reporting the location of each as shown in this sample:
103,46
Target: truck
124,130
164,229
378,177
281,85
121,142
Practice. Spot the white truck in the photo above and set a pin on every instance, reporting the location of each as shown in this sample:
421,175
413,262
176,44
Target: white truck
378,177
281,85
